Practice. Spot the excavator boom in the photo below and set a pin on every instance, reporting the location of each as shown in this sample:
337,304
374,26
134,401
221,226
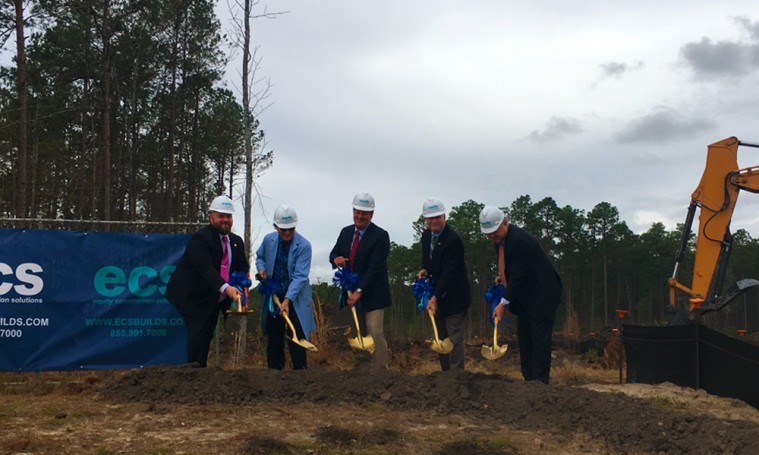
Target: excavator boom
715,196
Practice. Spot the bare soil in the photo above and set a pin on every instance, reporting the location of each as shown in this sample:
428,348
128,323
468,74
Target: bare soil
166,410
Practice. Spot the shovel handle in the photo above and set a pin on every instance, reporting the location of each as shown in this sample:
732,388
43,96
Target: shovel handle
434,327
358,329
495,332
287,319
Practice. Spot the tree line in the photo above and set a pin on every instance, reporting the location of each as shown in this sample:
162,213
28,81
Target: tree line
114,110
604,266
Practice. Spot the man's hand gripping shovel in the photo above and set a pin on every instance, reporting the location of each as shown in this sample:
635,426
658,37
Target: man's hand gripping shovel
300,342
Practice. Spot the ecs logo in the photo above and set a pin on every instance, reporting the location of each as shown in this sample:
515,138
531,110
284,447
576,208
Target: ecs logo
29,283
143,281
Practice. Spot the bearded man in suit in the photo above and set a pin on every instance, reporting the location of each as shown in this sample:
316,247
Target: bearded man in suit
199,287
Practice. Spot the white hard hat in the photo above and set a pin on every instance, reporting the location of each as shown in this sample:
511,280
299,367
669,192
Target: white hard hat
222,204
364,202
490,219
285,217
433,207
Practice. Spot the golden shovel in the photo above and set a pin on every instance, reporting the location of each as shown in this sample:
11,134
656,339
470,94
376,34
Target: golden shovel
495,351
366,343
300,342
441,347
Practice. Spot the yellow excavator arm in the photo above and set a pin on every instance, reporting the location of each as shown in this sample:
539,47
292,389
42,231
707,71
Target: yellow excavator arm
715,196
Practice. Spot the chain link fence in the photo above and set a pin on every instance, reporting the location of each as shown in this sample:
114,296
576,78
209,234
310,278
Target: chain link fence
143,227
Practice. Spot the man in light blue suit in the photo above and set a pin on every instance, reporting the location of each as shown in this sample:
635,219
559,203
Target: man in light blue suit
284,260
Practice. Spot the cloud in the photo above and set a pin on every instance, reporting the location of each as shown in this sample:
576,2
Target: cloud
751,27
665,125
557,128
617,69
719,59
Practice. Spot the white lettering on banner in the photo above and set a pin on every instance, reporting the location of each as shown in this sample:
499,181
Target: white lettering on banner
24,322
31,284
5,270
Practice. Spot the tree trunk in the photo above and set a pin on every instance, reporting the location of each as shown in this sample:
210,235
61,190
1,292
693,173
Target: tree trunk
606,288
248,148
21,161
194,166
105,140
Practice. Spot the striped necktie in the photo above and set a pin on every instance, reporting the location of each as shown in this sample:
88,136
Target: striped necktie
354,248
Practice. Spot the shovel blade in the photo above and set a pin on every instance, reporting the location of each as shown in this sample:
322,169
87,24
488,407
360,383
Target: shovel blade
444,346
364,343
493,353
354,343
368,344
305,344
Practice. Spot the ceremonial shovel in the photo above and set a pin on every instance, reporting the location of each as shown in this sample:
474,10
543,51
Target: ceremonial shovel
366,343
494,352
442,347
304,342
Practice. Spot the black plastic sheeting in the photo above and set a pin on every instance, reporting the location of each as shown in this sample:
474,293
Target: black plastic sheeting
726,366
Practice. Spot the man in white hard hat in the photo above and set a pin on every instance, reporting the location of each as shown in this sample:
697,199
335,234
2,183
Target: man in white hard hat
443,262
532,290
363,247
284,258
199,287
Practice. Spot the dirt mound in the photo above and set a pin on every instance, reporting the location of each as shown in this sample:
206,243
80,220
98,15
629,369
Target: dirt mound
622,423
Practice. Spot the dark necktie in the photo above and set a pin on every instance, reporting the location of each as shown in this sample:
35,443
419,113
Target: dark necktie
433,241
280,266
354,248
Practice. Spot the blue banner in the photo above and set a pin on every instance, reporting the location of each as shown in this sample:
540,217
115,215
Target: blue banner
84,300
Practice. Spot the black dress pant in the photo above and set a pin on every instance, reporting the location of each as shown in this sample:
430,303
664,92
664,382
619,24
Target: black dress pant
199,335
535,346
276,332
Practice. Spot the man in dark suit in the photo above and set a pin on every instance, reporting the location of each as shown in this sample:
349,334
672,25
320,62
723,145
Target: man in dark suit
532,290
443,262
363,248
199,287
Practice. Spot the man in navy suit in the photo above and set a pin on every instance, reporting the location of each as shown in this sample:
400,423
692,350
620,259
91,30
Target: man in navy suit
199,287
443,262
532,290
363,248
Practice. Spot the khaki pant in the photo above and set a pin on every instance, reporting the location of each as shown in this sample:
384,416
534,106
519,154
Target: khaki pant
375,321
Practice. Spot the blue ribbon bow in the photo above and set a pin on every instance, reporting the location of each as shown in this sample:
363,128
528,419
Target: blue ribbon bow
346,281
493,296
423,290
267,289
241,281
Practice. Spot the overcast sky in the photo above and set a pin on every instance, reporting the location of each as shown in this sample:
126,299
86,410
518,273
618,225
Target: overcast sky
582,101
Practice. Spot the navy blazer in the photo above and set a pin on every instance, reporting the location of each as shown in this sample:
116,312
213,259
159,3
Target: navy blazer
447,268
370,264
194,286
533,287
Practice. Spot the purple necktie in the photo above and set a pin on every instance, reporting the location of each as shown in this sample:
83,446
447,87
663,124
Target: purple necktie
225,258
